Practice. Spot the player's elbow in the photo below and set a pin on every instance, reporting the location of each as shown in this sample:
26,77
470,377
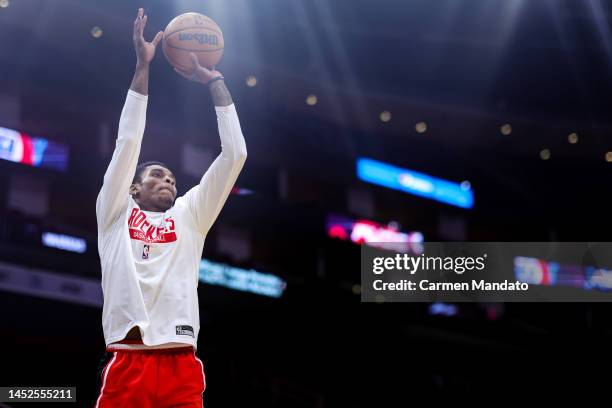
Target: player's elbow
235,153
241,154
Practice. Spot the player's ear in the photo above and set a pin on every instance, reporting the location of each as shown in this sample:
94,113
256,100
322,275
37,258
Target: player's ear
134,189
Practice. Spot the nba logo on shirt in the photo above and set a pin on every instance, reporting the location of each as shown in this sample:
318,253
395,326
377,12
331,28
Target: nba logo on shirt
145,252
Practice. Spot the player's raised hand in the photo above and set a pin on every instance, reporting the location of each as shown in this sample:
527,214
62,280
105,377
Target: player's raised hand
199,73
145,51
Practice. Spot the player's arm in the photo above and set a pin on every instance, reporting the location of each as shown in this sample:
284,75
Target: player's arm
120,172
207,198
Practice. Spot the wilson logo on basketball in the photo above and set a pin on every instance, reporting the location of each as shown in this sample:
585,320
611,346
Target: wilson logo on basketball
201,38
141,229
192,32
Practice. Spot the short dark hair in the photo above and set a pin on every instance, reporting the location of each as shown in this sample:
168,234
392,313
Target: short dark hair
143,166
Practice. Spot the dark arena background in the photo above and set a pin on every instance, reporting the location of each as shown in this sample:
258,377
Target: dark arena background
509,100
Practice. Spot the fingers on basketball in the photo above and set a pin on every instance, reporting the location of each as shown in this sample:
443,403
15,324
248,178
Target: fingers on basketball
158,38
194,59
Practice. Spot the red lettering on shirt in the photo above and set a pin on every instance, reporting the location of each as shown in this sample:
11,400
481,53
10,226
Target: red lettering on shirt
132,215
171,221
141,229
139,219
149,234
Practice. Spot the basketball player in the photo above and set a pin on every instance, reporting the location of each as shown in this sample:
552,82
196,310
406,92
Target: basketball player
150,245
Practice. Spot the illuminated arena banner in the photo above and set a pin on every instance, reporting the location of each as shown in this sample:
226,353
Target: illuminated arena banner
415,183
21,148
240,279
64,242
368,232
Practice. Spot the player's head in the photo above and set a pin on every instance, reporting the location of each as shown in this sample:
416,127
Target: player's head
154,186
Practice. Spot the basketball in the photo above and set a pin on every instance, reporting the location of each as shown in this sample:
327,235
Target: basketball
192,32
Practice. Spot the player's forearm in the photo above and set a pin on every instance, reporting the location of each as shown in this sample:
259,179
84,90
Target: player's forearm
140,82
208,198
220,94
233,146
120,171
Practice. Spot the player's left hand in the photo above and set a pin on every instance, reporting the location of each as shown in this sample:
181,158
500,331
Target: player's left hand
199,74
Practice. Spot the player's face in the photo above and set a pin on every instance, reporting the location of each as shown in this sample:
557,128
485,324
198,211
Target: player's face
157,190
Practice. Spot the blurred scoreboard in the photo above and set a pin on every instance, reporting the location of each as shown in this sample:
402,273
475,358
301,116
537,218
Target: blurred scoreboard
19,147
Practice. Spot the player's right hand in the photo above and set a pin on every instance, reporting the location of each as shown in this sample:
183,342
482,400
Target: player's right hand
199,74
145,51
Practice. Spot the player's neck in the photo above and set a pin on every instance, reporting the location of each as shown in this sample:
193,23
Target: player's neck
150,208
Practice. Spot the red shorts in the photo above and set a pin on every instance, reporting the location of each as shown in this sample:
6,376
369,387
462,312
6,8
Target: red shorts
152,379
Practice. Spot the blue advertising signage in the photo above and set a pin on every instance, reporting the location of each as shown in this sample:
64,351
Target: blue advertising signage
244,280
415,183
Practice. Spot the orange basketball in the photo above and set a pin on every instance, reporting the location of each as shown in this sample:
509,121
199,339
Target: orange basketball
192,32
